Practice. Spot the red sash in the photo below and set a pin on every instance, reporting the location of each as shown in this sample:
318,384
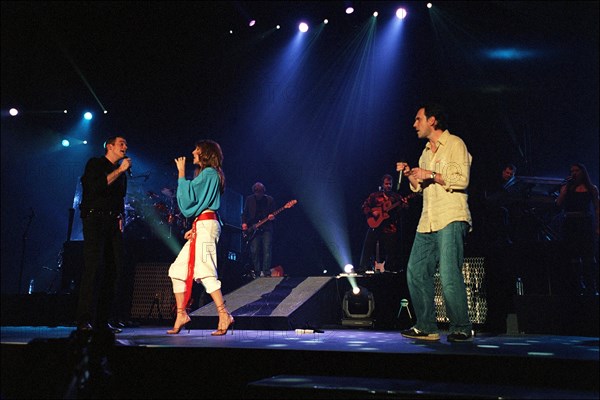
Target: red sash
190,275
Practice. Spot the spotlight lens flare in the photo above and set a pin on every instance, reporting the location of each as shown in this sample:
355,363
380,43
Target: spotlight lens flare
303,27
87,115
401,13
356,290
348,268
13,111
65,143
349,10
252,23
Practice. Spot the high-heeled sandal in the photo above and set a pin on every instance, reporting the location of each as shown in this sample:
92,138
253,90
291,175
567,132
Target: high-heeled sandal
221,329
176,329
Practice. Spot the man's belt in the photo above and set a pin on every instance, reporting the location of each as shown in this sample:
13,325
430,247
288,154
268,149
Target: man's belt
103,213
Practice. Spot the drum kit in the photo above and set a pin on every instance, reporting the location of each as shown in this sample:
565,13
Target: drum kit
151,214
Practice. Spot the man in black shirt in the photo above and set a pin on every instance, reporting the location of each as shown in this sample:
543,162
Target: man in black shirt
104,185
259,207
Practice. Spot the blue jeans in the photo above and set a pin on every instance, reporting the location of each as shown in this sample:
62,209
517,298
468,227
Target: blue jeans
260,252
445,247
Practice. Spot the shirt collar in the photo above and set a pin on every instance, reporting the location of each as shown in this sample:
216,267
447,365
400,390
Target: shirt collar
441,141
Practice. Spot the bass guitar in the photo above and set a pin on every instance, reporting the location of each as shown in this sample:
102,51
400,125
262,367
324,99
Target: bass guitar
249,233
380,214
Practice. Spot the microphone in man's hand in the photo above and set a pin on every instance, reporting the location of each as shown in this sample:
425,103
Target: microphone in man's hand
400,173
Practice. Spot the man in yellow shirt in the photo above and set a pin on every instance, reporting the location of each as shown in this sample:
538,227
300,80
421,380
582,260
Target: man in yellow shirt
443,177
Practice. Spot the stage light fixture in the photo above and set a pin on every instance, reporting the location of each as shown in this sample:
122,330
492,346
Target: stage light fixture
65,143
325,21
401,13
252,23
358,307
278,27
429,5
88,116
349,10
348,268
375,14
13,112
303,27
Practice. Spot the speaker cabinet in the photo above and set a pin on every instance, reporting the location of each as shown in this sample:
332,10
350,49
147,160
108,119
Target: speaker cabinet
474,274
152,292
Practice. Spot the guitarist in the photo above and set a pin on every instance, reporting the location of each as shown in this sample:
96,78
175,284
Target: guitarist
259,206
382,245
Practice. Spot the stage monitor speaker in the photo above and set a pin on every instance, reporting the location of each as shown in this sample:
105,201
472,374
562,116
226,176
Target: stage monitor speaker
474,274
152,292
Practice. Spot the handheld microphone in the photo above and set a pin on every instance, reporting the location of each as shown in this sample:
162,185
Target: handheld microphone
400,173
129,172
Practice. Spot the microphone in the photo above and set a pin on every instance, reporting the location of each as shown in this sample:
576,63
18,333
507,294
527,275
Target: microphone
400,173
568,180
129,172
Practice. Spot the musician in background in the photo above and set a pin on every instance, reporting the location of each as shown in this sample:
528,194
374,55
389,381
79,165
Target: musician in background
579,200
382,245
500,199
257,207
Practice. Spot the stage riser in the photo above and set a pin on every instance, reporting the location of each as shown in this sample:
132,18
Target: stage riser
278,303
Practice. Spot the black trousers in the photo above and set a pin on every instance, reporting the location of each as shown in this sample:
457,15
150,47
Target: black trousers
389,250
103,268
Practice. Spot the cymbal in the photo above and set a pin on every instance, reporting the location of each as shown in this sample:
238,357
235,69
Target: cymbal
168,192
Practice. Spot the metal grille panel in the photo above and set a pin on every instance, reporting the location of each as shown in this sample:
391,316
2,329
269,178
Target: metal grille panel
152,292
474,274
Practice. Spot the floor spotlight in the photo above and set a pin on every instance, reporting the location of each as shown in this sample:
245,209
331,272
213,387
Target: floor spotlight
358,305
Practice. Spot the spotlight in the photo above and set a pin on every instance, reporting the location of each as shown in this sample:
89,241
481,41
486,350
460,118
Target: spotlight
278,26
85,142
401,13
65,143
303,27
105,111
358,307
325,21
349,10
13,112
252,23
429,5
88,116
348,268
375,14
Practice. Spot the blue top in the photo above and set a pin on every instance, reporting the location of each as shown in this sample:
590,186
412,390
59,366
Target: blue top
199,194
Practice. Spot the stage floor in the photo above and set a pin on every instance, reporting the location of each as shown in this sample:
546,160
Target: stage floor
262,363
352,340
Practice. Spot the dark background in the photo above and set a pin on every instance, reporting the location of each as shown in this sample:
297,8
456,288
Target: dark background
169,73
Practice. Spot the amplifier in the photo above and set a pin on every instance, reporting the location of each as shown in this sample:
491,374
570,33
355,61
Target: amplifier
152,292
474,273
